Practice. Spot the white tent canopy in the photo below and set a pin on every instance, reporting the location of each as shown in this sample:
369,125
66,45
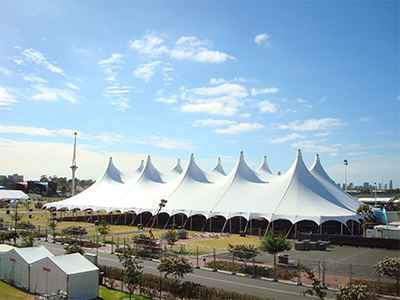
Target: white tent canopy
299,194
7,195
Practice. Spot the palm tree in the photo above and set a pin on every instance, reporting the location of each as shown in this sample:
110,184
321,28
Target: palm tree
274,244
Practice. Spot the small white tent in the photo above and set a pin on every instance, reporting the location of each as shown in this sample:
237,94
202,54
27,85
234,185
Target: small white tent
17,263
7,195
3,250
71,273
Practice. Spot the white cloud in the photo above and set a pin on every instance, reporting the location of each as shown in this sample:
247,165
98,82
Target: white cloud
111,66
229,89
317,147
167,100
212,123
214,81
324,124
45,93
6,98
165,143
268,107
72,86
239,128
34,78
262,91
365,119
106,137
39,59
146,71
5,71
121,104
185,48
286,138
261,38
225,105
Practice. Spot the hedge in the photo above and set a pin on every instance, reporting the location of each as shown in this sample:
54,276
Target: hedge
150,285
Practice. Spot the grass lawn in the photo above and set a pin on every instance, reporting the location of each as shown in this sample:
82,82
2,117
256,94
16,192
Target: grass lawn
7,292
108,294
220,244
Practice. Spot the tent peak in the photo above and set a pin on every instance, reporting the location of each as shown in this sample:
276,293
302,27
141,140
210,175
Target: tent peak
264,166
178,167
219,168
141,166
150,172
112,172
242,171
194,172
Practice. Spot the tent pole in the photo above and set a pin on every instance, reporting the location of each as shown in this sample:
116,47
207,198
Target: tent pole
266,230
184,223
290,229
166,224
223,227
245,227
230,225
341,228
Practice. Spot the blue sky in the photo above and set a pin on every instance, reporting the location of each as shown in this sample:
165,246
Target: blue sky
211,77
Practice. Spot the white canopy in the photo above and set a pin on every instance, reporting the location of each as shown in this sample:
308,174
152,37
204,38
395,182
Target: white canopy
299,194
7,195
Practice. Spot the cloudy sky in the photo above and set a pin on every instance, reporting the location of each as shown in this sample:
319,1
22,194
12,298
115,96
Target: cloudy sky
211,77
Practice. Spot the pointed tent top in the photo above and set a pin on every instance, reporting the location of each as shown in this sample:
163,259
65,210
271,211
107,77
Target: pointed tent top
318,169
219,168
244,172
178,167
141,166
150,172
299,154
112,173
264,166
194,172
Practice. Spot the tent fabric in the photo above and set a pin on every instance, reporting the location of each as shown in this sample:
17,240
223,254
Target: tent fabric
298,194
7,195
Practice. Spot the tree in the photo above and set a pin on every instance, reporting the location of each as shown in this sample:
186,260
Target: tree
53,226
355,292
133,271
243,252
27,239
75,231
316,289
103,229
175,266
390,267
273,245
171,237
73,248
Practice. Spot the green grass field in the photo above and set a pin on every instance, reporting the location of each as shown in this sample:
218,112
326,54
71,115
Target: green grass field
7,292
108,294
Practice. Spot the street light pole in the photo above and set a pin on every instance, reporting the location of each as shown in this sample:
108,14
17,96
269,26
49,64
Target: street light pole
346,163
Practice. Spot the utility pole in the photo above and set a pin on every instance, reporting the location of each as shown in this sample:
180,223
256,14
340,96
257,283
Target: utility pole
74,166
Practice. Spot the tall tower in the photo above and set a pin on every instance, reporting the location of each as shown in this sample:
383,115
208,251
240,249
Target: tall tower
74,166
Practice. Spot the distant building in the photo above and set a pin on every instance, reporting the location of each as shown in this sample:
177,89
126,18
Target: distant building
390,184
366,185
379,186
16,178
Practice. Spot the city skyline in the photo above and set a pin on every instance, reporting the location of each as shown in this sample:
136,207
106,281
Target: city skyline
317,76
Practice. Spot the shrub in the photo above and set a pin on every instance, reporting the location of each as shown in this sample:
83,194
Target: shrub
355,292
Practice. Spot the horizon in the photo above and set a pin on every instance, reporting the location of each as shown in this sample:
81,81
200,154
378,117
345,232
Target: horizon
266,78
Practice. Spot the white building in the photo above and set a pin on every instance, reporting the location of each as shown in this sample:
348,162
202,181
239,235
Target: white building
16,264
70,273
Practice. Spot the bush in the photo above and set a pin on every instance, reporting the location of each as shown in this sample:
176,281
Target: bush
380,287
258,271
151,283
355,292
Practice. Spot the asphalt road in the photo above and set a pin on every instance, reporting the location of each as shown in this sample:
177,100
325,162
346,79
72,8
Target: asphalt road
243,285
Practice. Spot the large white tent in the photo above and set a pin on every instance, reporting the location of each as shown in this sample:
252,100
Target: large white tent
71,273
296,195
